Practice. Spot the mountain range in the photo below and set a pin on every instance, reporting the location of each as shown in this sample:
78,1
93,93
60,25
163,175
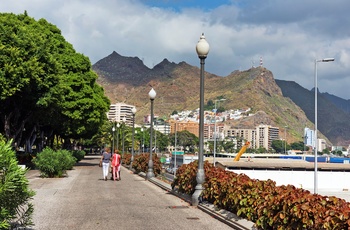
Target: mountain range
273,102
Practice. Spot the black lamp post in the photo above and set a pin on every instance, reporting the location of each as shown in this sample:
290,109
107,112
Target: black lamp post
133,110
124,120
152,95
143,140
113,130
202,49
118,125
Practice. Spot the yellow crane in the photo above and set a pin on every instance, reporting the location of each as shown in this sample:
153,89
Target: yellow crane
241,151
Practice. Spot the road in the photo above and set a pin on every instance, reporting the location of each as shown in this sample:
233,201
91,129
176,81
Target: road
84,201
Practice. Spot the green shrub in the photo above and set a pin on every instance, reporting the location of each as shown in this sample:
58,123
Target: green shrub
262,202
186,178
67,159
15,208
78,154
126,158
140,163
54,164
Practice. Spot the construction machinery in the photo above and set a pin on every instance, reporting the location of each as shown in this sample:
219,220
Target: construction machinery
241,151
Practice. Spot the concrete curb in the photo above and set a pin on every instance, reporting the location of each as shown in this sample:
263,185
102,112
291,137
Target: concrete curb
227,217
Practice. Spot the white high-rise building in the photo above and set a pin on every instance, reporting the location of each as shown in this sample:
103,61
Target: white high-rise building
309,136
119,111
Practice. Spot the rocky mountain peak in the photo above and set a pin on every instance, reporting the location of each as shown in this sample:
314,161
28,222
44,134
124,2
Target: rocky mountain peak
118,68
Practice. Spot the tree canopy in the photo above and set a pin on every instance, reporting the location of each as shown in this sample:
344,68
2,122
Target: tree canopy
47,89
186,139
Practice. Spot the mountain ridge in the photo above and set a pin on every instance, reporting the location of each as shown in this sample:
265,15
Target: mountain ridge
128,80
332,121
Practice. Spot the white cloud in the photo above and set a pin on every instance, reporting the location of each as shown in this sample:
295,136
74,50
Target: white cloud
288,34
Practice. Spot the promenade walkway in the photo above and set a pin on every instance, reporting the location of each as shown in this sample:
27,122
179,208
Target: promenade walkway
84,201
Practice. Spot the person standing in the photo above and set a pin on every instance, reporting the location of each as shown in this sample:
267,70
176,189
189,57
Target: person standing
116,165
106,158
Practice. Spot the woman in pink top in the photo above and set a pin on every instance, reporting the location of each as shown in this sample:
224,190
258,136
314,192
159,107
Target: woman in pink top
116,164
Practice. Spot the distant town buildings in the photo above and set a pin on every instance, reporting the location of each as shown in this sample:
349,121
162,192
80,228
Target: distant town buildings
259,137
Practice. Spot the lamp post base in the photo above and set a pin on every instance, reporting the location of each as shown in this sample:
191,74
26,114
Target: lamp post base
131,161
149,175
150,172
196,199
196,196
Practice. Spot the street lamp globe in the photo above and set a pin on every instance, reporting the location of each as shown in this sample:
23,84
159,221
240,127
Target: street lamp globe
152,94
202,47
133,110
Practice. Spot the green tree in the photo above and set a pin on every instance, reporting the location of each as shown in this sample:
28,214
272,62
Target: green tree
261,150
126,135
101,138
221,109
339,153
298,146
220,145
210,147
46,88
229,146
15,195
186,139
278,146
209,105
162,140
326,151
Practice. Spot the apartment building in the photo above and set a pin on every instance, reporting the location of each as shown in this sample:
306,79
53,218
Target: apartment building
178,126
259,137
242,135
120,112
265,134
210,133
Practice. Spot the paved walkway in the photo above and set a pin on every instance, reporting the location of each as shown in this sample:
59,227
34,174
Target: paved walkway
84,201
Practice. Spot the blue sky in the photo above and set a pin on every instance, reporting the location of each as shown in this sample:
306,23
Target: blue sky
288,35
